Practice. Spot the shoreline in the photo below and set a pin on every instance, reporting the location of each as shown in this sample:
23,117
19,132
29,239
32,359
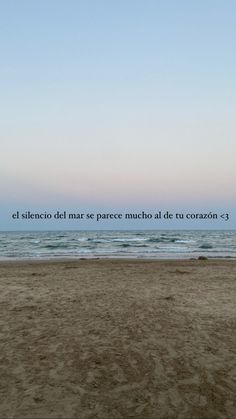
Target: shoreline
117,258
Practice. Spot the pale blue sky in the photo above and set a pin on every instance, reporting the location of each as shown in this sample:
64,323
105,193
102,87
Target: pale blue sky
117,104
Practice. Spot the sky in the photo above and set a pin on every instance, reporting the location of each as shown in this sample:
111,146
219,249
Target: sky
114,105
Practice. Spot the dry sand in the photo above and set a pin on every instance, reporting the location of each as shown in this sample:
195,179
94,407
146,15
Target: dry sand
118,339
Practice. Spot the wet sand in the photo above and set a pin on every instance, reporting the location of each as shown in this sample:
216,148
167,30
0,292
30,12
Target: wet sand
114,339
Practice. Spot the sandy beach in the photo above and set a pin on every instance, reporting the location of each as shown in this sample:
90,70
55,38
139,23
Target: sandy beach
114,339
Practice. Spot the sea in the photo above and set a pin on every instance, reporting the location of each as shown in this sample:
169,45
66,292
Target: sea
148,244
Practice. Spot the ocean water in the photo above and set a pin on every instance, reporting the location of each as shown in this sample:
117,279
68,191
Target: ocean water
117,244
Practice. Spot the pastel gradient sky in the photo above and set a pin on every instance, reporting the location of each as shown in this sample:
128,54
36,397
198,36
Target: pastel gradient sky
117,104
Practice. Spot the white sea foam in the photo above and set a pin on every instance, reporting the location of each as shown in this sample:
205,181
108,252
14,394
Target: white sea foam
141,244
